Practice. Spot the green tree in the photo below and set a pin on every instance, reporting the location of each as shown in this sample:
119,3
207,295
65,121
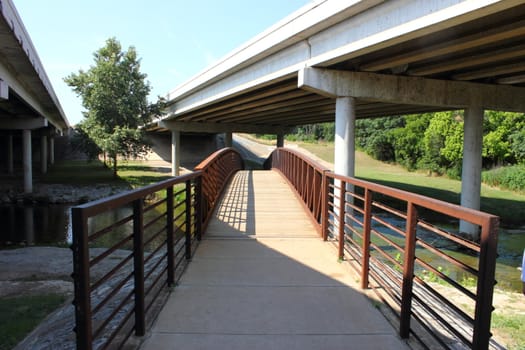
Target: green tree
408,140
443,142
375,137
517,144
114,92
500,141
82,143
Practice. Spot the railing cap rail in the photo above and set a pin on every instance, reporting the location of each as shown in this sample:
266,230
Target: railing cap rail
315,164
453,210
208,161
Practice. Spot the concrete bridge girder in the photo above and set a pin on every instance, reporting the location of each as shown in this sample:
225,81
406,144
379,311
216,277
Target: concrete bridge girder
214,128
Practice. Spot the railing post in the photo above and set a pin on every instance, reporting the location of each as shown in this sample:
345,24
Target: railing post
81,279
487,268
138,266
188,220
341,222
169,234
367,226
325,188
408,270
198,207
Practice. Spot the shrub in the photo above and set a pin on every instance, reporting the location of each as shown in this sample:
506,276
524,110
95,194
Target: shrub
511,177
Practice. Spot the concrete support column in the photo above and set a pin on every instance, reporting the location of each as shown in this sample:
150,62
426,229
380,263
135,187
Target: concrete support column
344,158
471,170
175,152
10,159
280,140
51,150
28,169
43,154
29,225
228,139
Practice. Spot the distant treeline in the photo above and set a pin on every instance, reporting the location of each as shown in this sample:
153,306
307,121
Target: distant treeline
434,142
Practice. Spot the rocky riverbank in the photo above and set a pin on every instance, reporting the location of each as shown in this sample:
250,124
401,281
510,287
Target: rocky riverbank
58,193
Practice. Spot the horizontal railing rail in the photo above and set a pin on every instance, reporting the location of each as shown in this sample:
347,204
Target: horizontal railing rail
128,248
410,247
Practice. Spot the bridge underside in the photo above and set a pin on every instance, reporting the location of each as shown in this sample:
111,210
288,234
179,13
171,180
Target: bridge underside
29,109
337,61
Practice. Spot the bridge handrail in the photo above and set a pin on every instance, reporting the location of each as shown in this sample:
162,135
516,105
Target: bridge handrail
305,176
353,216
121,268
217,170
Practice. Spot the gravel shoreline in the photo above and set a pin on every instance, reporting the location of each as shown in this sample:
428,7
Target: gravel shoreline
58,193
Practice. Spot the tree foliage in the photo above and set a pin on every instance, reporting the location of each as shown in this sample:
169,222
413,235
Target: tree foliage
376,136
432,141
114,93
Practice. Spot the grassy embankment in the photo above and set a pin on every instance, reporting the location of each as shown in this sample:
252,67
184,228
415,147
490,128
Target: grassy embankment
508,205
20,315
130,173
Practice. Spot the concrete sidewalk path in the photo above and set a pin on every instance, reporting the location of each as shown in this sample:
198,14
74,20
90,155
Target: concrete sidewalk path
263,279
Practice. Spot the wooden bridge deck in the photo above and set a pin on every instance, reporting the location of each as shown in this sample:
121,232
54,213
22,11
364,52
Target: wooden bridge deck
263,279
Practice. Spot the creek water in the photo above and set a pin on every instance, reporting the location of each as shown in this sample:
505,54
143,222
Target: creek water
51,225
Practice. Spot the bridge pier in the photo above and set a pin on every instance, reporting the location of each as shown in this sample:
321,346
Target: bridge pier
175,152
228,140
51,150
27,161
471,168
43,154
280,140
10,157
345,116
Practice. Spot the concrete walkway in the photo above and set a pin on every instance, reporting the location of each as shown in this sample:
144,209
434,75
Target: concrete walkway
263,279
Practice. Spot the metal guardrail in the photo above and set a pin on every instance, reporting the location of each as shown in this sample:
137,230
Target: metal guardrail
129,248
217,170
307,177
394,241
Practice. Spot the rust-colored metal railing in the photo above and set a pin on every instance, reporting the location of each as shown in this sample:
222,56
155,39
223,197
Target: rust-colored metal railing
307,178
128,248
407,246
217,170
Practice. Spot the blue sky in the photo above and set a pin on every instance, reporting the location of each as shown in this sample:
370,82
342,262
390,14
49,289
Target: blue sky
175,39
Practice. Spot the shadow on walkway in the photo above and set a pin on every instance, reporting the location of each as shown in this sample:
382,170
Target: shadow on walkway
263,279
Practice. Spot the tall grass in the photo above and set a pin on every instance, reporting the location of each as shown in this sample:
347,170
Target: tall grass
510,178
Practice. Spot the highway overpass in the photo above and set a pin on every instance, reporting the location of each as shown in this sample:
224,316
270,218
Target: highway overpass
336,60
30,113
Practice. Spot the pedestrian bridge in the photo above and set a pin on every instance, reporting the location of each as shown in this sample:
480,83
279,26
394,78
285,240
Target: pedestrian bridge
283,259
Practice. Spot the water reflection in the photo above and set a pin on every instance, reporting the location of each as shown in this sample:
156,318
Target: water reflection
35,225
